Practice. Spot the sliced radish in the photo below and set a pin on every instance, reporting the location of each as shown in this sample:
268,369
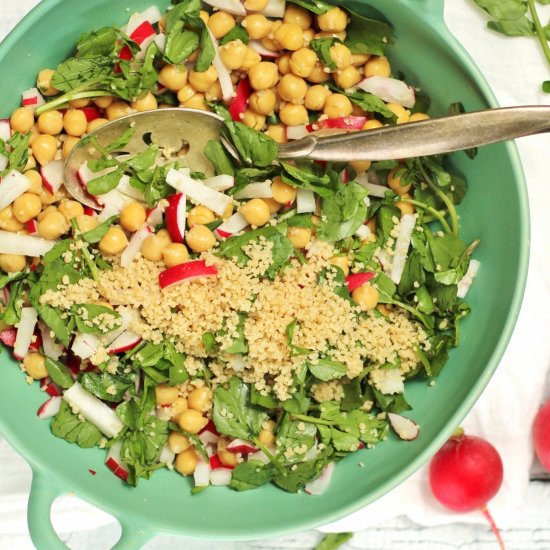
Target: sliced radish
127,340
155,215
220,477
126,188
224,75
7,336
363,232
25,332
230,6
305,201
259,456
52,349
404,427
239,103
91,113
85,345
31,227
152,14
406,226
49,408
241,446
355,280
202,475
220,183
389,89
258,190
237,222
5,129
209,438
114,462
93,410
52,176
186,272
262,50
134,246
210,427
50,388
296,132
274,8
166,456
32,98
3,162
216,463
342,123
15,243
321,484
142,33
175,217
466,281
12,186
127,315
197,191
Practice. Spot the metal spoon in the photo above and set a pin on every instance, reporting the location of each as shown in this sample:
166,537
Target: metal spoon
191,129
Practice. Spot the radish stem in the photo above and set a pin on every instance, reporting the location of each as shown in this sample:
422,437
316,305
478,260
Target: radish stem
494,527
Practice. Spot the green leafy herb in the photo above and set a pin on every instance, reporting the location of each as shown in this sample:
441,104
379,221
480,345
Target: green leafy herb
367,36
331,541
254,148
321,46
106,386
218,156
95,319
59,373
316,6
238,32
68,426
251,475
326,369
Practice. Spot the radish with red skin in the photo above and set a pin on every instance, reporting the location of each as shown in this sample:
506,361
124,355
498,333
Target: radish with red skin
465,474
8,335
220,477
114,462
49,408
52,176
541,435
91,113
355,280
389,89
216,463
240,102
341,123
210,427
134,246
126,341
404,427
202,474
241,446
31,227
155,216
50,387
85,345
321,484
257,46
32,98
176,216
209,438
186,271
12,186
305,201
237,222
224,75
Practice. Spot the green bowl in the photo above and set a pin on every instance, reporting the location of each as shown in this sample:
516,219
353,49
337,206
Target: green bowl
495,210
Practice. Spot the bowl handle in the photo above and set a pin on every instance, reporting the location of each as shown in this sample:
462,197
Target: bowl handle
43,535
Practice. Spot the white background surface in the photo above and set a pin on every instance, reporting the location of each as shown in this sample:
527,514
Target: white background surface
514,68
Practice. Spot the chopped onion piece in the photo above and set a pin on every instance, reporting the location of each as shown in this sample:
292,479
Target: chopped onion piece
259,190
305,201
202,474
220,476
25,332
220,183
274,8
134,246
406,226
16,243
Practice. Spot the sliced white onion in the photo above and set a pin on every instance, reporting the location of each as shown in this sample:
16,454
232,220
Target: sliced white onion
305,201
202,475
25,332
223,182
466,281
134,246
321,484
167,456
259,190
274,8
406,227
15,243
389,89
220,476
262,50
224,75
12,186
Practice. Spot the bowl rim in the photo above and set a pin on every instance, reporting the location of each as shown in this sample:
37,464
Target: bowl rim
55,480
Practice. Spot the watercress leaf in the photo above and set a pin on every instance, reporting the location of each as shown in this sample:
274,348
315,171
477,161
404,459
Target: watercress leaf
67,425
220,159
106,386
321,46
59,373
503,9
207,50
522,26
255,148
292,434
307,175
18,156
78,72
298,403
446,251
546,86
95,319
251,475
144,160
239,344
98,43
301,220
424,300
265,401
395,403
8,278
104,184
238,32
413,274
367,36
316,6
120,142
55,322
94,235
368,102
180,43
326,369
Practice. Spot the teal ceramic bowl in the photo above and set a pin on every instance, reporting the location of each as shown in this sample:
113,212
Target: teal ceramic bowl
495,210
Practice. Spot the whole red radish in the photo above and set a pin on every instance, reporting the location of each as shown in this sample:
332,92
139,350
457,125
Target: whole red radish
465,474
541,435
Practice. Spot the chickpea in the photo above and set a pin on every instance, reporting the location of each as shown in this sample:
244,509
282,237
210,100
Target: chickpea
44,82
342,262
8,222
220,23
252,58
418,116
360,165
282,192
117,109
200,215
68,145
192,421
52,225
227,458
266,437
302,62
113,242
178,442
316,97
228,212
233,54
348,77
372,124
277,132
366,297
22,120
95,124
256,212
273,205
334,20
341,55
152,248
35,366
26,207
292,88
257,26
255,5
178,406
146,102
331,34
164,236
337,105
46,197
70,209
104,101
86,223
283,63
384,309
371,224
269,43
166,394
133,216
31,161
50,122
293,115
175,254
173,77
299,236
359,59
200,239
186,461
200,399
202,81
263,75
400,112
253,120
263,102
46,211
404,206
377,66
290,36
197,101
318,74
11,263
214,93
79,103
296,15
186,93
36,181
34,133
395,184
74,122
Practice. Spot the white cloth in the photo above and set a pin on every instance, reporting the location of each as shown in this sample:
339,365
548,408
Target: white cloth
514,68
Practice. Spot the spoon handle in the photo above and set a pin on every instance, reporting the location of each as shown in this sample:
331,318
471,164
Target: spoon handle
428,137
